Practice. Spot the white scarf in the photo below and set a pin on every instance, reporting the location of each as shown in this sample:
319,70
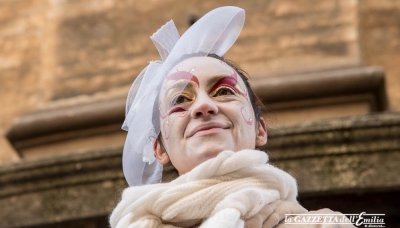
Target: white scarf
234,189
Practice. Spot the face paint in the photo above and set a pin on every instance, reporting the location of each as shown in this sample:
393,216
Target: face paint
165,129
178,75
246,117
177,109
177,97
204,114
184,113
230,82
184,79
159,110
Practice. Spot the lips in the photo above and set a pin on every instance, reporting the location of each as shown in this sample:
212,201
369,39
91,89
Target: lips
207,128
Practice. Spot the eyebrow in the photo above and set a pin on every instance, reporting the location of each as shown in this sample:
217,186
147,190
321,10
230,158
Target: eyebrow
183,75
223,79
213,82
178,86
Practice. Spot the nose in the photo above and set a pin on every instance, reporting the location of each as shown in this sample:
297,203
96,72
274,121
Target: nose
204,106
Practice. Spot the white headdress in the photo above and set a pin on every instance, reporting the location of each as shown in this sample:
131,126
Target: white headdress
214,33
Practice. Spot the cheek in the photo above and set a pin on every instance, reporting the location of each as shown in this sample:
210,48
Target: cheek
184,113
169,123
164,120
162,112
247,115
165,130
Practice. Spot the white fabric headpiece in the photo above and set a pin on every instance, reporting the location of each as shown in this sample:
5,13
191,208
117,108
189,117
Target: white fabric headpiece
214,33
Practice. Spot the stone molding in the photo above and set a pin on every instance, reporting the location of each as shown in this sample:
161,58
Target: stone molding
52,125
60,188
343,154
60,171
47,126
337,82
353,154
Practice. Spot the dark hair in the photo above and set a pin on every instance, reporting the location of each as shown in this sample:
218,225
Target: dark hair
255,101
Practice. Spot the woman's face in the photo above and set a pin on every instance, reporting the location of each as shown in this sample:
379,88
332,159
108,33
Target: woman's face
205,109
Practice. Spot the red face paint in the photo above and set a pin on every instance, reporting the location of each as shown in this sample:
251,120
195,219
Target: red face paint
230,82
248,120
183,75
178,76
177,109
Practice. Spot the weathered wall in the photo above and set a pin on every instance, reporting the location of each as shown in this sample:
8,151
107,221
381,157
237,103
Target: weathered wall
105,47
24,32
380,40
66,52
57,53
360,157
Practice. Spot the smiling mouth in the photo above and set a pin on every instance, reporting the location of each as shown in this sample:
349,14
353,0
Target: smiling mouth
207,129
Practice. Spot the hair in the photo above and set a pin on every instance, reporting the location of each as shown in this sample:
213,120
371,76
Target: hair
255,101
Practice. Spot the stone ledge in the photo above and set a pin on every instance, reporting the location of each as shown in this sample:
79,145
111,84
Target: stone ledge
57,205
358,134
54,125
339,82
60,171
60,188
85,185
344,154
352,122
362,136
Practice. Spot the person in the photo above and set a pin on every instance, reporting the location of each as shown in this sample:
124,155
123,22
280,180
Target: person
196,111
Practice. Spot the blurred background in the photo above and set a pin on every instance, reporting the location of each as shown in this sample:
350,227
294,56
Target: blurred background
328,72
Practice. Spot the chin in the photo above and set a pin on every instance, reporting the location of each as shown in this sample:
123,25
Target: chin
206,152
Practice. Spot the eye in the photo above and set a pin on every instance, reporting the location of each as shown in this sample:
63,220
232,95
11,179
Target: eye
224,92
181,99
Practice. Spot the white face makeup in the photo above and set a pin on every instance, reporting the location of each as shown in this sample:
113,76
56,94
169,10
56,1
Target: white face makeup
205,109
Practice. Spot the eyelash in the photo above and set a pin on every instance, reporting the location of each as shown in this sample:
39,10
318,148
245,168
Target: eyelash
178,97
216,94
231,91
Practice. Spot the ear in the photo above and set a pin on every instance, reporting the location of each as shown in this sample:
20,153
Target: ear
160,153
261,138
